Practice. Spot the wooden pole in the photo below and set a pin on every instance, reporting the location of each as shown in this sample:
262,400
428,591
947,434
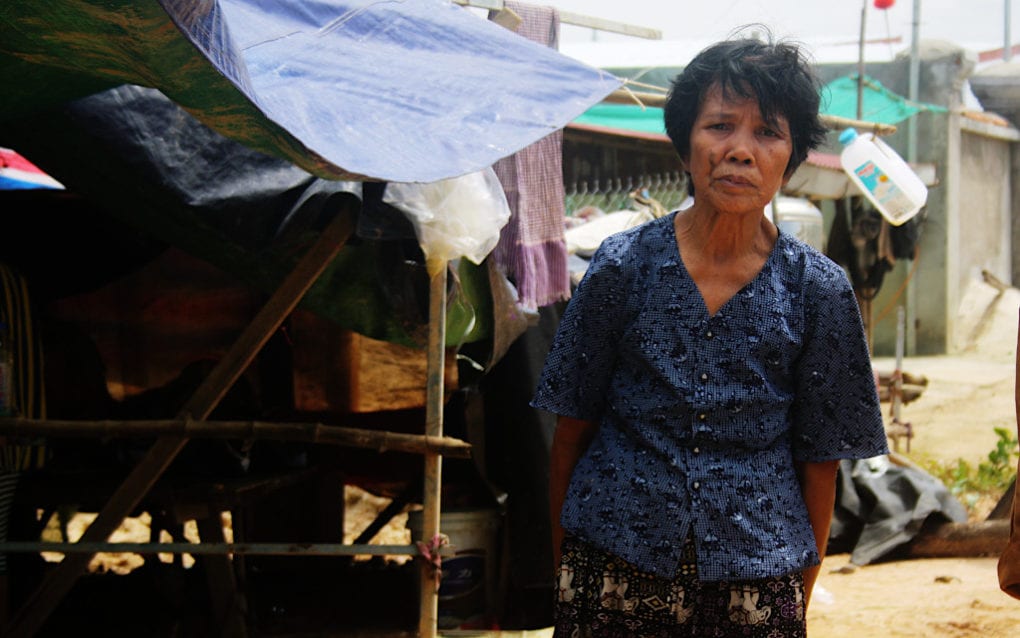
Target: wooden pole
860,62
577,19
429,578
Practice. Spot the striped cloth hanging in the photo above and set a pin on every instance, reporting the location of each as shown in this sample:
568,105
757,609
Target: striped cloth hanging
28,393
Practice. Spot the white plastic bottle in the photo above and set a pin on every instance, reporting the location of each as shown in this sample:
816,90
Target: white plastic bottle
882,176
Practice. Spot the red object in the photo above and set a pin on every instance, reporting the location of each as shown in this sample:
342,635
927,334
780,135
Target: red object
884,4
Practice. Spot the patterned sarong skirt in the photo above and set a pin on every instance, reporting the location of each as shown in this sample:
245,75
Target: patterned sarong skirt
602,596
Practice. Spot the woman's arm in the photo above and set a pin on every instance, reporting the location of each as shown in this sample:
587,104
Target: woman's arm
818,485
571,439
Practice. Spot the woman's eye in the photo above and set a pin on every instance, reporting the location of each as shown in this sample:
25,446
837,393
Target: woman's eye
769,132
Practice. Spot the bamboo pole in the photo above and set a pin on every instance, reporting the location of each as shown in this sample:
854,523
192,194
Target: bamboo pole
380,441
428,577
250,549
834,122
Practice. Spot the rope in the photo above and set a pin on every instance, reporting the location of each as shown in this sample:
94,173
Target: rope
643,85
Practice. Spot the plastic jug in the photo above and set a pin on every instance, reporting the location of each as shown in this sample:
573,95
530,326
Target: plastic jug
882,176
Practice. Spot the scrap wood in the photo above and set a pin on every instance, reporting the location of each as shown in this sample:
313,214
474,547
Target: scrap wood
959,540
910,393
912,387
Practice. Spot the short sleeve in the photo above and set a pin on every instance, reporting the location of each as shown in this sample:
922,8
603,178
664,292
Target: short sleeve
836,413
575,377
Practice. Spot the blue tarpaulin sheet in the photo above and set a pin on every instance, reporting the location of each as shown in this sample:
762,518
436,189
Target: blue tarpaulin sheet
408,91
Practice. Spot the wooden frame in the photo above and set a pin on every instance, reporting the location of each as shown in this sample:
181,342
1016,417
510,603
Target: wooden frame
191,422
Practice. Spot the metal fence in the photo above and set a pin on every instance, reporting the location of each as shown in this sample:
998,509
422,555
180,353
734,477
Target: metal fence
669,189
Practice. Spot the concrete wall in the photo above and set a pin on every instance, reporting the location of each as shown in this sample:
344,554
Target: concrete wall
967,221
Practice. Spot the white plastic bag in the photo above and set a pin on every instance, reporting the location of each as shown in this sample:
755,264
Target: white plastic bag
456,217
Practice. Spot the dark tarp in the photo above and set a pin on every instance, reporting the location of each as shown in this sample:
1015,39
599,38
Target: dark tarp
154,167
881,507
412,91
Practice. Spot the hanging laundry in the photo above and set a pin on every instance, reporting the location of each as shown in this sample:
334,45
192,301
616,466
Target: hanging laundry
532,250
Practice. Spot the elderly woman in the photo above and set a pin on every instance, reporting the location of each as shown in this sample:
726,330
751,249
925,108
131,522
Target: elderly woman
709,374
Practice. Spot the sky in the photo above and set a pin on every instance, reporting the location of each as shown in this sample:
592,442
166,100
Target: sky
829,29
977,24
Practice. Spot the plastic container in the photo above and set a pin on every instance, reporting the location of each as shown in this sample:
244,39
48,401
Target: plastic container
467,590
802,219
882,176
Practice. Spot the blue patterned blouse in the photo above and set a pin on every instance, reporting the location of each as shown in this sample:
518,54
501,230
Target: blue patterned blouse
701,418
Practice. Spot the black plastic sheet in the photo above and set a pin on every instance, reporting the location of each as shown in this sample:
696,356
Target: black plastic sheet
881,507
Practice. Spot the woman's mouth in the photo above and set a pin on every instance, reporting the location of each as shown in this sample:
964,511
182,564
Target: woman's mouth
734,180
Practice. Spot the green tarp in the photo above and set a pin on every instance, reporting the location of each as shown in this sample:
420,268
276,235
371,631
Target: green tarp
629,117
880,105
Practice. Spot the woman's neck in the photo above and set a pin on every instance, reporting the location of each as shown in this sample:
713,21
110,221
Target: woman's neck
722,253
718,236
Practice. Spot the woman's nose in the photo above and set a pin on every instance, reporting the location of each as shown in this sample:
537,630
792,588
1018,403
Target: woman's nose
740,150
740,153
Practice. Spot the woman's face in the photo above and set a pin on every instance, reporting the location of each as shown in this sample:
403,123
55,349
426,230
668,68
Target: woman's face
737,160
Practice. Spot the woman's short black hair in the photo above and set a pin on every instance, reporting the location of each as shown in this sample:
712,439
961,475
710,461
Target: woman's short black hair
776,74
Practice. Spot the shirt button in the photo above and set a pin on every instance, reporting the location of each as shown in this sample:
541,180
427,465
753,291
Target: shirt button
709,335
697,450
696,485
702,416
704,376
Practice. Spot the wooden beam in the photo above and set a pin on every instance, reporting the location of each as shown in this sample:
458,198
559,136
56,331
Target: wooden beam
838,123
956,540
30,618
213,549
578,20
378,440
